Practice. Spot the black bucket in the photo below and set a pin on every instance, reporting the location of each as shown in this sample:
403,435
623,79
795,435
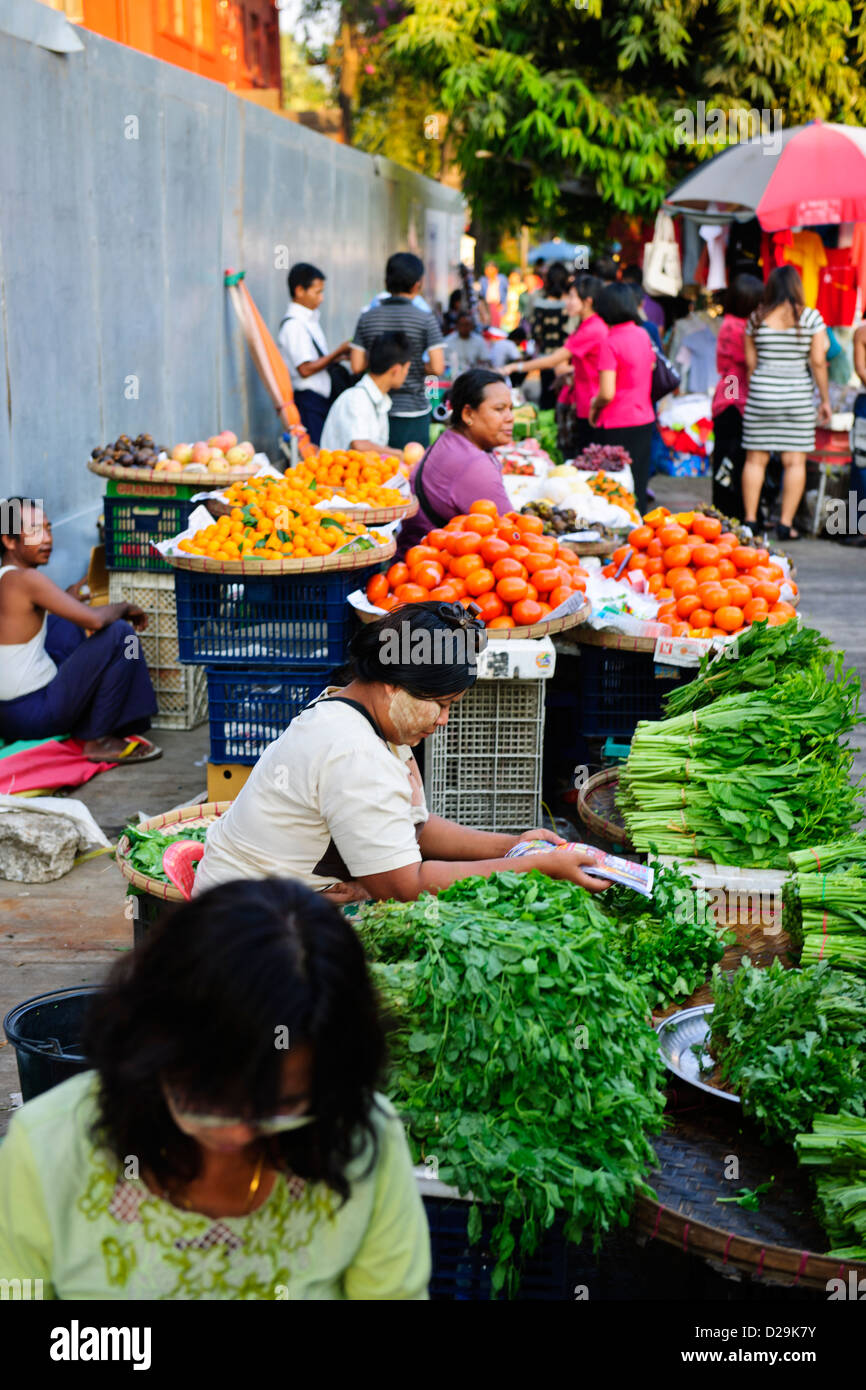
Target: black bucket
46,1034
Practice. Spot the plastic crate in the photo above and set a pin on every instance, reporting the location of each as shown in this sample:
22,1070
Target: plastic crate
131,523
484,768
301,620
619,688
181,691
248,710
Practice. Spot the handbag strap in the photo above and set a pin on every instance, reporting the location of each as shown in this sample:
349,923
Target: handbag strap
318,346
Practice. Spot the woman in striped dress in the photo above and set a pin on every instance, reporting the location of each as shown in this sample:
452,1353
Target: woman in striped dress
786,349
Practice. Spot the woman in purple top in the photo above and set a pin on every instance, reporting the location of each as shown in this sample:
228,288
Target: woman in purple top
622,409
460,467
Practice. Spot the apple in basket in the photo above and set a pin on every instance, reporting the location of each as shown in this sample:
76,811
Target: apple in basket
182,453
168,466
218,465
413,453
237,456
200,452
248,448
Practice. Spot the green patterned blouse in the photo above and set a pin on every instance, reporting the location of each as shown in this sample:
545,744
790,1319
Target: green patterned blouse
70,1216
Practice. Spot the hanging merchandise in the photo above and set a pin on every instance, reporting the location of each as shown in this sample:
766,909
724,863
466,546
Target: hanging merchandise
662,268
837,289
716,239
773,247
808,255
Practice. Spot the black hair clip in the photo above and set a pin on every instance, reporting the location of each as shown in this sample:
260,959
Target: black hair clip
468,618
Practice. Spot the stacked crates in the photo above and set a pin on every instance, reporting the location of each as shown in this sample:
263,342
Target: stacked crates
484,768
269,645
135,515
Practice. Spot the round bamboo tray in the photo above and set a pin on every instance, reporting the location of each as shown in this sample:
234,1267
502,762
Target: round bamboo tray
368,516
314,564
188,476
596,806
591,547
781,1243
173,822
511,634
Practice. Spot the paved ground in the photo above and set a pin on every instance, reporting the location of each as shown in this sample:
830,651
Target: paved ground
69,932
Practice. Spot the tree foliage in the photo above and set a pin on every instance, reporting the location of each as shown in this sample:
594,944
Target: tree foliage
577,94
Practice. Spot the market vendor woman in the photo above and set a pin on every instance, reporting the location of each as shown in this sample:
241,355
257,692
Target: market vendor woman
53,680
337,801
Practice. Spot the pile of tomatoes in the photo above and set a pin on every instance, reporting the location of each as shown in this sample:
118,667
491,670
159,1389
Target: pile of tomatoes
708,584
504,564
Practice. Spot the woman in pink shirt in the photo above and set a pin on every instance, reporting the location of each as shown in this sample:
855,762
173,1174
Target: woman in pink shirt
460,467
579,351
729,401
622,408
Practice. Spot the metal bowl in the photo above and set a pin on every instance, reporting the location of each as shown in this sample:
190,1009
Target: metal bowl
682,1043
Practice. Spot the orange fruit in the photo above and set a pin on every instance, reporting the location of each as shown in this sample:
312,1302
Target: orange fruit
559,595
687,604
701,632
638,561
684,584
463,565
512,589
786,609
745,557
672,535
656,517
410,593
479,581
526,612
640,537
397,574
493,549
727,569
509,569
428,574
729,618
677,555
444,593
678,573
712,596
709,527
655,548
484,507
665,594
483,525
709,574
501,622
700,617
545,580
618,555
542,545
377,589
767,590
491,606
705,555
655,582
531,524
755,608
777,619
738,594
656,566
469,543
416,553
519,552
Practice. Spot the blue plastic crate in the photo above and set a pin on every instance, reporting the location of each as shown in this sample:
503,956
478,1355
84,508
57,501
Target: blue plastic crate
131,523
619,688
249,709
264,620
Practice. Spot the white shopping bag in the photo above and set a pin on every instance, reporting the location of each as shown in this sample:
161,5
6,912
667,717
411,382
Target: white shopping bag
662,270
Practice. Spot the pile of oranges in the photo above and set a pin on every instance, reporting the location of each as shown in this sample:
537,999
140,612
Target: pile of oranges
503,564
352,474
271,531
708,584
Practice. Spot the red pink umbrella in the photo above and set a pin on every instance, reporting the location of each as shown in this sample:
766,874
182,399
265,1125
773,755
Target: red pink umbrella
819,177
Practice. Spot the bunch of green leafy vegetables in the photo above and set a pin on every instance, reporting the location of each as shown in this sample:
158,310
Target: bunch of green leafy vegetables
547,435
524,1063
148,846
668,943
790,1043
825,903
758,657
836,1149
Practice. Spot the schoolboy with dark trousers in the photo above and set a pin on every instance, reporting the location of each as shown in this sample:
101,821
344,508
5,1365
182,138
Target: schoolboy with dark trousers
409,419
305,349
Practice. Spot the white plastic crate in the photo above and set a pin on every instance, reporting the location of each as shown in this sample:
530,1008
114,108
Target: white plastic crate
484,768
181,691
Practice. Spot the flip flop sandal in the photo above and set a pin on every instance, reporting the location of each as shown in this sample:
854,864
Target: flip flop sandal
129,754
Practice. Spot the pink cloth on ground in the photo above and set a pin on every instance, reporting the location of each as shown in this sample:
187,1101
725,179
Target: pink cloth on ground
46,767
628,351
456,474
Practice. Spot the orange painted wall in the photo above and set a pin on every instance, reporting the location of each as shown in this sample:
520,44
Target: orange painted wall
232,41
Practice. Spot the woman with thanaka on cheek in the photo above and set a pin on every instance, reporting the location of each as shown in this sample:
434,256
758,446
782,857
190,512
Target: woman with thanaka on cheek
337,801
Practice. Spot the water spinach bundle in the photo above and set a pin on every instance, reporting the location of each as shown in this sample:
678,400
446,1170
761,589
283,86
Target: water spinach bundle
825,903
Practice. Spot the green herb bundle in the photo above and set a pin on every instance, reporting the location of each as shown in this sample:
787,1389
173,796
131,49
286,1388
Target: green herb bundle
667,943
524,1063
790,1043
148,847
757,659
837,1148
747,777
825,915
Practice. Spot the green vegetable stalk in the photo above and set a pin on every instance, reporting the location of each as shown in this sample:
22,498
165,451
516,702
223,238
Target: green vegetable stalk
836,1148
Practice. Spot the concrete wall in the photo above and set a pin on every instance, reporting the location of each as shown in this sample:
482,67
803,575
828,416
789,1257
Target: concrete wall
126,187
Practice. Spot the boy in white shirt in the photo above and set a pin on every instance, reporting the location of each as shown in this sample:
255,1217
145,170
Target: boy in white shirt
305,349
358,419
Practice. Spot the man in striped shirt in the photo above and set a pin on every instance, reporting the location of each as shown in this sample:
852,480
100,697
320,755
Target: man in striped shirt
409,419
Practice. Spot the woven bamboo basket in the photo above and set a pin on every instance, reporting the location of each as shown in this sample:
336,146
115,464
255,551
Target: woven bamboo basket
591,547
781,1243
314,564
511,634
368,516
198,477
596,806
173,822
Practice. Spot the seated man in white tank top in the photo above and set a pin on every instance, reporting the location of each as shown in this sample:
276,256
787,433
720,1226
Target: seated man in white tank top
52,679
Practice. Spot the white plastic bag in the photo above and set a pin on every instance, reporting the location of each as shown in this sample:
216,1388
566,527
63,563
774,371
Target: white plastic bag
662,269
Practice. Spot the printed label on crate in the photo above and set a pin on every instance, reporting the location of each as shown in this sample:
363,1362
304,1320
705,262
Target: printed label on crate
680,651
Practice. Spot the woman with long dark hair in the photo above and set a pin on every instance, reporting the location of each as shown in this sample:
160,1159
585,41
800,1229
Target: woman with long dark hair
732,388
460,466
231,1141
786,353
337,801
622,408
